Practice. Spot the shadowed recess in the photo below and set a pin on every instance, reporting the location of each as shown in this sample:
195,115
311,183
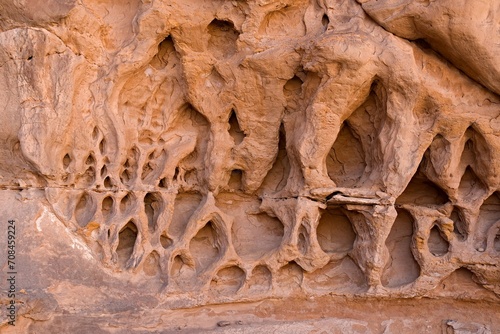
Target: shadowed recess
223,37
152,208
338,276
335,231
234,129
346,161
401,268
203,247
151,265
276,178
227,281
489,214
459,224
422,191
260,280
254,236
85,209
289,277
438,245
127,238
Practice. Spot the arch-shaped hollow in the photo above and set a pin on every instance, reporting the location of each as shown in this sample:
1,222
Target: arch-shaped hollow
223,37
325,21
236,180
346,160
277,176
126,243
460,228
471,188
165,49
256,235
153,205
422,191
290,276
66,161
151,266
227,281
437,243
260,280
293,87
335,231
401,267
234,128
107,207
85,209
489,214
204,247
476,151
126,202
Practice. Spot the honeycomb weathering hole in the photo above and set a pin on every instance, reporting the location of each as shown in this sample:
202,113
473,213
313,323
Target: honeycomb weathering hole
152,208
438,245
85,209
227,281
165,48
257,235
338,276
203,247
335,232
293,86
107,207
422,191
346,161
236,180
265,148
151,265
401,268
234,129
260,280
127,238
459,224
489,215
290,277
223,37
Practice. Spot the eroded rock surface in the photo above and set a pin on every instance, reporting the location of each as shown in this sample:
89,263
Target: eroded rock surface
210,152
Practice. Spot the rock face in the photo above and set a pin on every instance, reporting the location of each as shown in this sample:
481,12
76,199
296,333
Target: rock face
182,159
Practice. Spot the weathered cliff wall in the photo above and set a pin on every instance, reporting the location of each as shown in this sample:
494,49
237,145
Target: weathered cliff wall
165,158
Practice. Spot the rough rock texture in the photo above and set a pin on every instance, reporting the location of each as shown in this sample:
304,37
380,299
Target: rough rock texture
252,165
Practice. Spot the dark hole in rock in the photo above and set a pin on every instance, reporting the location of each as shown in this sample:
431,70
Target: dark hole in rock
438,245
66,161
325,21
203,247
459,225
401,268
107,182
125,203
422,191
107,206
152,207
234,129
126,243
84,210
223,37
228,281
165,241
335,231
235,181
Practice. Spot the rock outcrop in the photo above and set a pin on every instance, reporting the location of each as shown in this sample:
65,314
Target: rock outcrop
183,154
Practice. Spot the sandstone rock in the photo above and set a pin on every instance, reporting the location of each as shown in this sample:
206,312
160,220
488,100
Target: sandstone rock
250,166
